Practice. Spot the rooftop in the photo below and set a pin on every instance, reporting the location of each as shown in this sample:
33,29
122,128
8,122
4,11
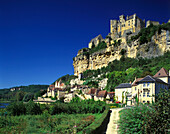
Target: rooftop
102,93
135,81
92,91
124,85
149,78
161,73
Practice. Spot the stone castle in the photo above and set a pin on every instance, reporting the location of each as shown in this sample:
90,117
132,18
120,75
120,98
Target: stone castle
121,30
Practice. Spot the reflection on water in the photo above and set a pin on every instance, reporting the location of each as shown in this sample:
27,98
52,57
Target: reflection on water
3,105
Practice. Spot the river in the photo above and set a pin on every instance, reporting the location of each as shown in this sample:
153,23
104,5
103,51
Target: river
3,105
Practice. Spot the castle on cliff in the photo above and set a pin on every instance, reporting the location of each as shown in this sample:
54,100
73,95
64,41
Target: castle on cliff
122,31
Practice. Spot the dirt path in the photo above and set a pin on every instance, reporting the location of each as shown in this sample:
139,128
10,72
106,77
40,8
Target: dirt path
113,123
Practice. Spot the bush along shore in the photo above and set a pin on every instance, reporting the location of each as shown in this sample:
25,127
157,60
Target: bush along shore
76,117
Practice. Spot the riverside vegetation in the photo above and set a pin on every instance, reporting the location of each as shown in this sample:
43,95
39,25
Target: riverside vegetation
55,118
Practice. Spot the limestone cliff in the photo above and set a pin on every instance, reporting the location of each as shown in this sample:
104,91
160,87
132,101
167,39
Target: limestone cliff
159,44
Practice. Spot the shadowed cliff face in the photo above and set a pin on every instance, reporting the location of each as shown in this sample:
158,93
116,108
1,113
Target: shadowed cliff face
157,46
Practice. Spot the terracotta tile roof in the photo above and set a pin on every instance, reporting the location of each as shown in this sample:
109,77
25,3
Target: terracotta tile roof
102,93
92,91
135,81
62,84
110,92
161,73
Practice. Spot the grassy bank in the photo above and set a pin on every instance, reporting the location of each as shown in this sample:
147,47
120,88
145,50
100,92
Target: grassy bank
45,123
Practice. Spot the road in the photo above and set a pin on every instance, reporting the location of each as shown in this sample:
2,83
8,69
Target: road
112,127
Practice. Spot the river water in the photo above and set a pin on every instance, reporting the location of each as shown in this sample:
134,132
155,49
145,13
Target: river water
3,105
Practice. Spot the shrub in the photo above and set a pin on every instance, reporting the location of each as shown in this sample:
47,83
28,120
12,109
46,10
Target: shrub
159,122
16,108
33,108
97,126
131,120
147,118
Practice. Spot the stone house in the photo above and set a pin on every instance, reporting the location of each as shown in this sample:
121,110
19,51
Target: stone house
147,88
101,95
60,84
122,89
50,91
96,94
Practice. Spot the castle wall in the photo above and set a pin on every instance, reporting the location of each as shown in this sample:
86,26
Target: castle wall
122,26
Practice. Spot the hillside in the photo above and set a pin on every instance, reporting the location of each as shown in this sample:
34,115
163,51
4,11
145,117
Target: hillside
125,70
113,60
24,93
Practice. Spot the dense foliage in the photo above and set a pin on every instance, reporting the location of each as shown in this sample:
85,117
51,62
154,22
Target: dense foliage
97,125
19,108
146,34
147,118
46,123
25,93
127,69
76,106
66,79
100,46
56,118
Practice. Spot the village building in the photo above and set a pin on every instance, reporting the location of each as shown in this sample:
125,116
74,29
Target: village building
110,97
147,88
121,91
144,89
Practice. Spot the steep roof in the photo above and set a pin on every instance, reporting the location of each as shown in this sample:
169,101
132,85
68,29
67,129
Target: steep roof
102,93
51,85
161,73
135,81
149,78
124,85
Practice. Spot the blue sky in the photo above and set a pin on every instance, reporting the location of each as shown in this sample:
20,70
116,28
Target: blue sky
39,38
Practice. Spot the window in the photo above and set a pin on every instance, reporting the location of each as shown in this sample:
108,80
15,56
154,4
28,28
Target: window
148,84
135,88
148,93
148,102
143,101
144,84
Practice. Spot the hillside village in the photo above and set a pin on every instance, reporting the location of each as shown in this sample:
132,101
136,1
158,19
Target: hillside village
119,43
142,88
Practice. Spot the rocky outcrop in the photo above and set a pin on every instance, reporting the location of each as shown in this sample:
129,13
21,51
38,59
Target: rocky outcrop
160,43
